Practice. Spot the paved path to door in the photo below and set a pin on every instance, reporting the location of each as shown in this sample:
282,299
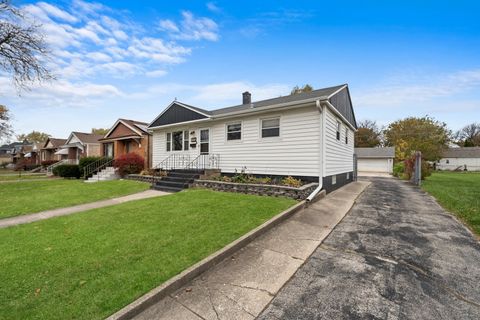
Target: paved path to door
242,285
396,255
7,222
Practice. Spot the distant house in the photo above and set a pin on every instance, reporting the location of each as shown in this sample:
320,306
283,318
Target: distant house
33,154
79,145
127,136
19,149
465,159
375,159
6,153
50,147
306,135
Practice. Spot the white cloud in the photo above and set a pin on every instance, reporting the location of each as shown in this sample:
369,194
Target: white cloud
419,89
213,7
214,95
56,12
168,25
191,28
99,56
156,73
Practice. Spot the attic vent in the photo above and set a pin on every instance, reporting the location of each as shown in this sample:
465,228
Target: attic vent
247,97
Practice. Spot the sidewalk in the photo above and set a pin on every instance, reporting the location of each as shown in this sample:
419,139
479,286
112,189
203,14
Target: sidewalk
241,286
7,222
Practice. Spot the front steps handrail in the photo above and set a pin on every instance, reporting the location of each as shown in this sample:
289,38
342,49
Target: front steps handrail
172,162
96,166
204,161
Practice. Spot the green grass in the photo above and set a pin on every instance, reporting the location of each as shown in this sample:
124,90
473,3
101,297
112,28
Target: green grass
17,177
35,196
91,264
458,192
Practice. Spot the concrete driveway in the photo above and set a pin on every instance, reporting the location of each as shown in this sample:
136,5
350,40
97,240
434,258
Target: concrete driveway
396,255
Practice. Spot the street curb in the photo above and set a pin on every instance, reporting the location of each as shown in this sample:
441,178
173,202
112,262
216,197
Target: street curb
175,283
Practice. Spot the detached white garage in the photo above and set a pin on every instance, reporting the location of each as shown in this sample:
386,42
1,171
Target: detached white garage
375,159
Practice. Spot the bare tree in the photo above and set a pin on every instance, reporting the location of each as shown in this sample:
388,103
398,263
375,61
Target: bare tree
23,50
469,136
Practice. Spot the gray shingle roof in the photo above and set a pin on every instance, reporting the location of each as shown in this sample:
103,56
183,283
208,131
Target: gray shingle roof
87,137
387,152
466,152
315,94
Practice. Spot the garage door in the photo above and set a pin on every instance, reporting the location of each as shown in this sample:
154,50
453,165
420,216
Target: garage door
375,165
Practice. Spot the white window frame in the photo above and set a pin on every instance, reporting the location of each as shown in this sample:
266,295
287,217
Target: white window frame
241,131
334,180
338,133
346,135
200,140
171,140
279,127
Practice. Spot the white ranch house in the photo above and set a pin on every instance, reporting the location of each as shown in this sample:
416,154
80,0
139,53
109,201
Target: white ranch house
308,135
463,159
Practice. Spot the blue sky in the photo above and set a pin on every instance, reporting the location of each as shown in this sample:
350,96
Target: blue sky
130,59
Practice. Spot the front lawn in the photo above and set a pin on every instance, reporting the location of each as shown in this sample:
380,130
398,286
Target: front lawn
23,176
35,196
91,264
458,192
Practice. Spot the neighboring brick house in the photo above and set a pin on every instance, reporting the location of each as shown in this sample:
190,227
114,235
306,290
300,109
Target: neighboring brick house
52,145
127,136
79,145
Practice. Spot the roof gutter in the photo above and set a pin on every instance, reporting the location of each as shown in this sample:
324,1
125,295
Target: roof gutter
321,166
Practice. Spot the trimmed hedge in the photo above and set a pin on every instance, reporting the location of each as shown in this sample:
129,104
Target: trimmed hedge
67,171
86,161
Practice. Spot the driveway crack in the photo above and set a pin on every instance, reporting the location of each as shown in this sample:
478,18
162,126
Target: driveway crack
409,266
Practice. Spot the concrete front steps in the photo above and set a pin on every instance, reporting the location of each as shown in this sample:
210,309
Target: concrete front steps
105,174
177,180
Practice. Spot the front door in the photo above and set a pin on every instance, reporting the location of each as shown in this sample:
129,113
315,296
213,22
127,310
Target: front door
204,141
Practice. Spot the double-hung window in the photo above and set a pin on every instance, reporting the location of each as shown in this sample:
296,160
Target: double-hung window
270,128
169,141
346,135
234,131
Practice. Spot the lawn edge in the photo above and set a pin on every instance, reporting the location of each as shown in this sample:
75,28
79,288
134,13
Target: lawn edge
175,283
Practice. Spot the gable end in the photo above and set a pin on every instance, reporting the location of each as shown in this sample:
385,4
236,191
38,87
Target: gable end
342,102
176,113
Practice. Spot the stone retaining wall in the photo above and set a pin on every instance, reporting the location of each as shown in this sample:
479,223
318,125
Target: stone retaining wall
139,177
259,189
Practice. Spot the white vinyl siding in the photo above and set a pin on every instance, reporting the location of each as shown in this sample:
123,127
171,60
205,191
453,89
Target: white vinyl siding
295,152
473,164
338,154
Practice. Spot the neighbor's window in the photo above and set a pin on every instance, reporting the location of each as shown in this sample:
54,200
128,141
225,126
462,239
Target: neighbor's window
339,126
448,161
177,138
186,140
234,131
270,128
169,141
346,135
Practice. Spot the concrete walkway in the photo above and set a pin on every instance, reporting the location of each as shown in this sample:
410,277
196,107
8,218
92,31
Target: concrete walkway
241,286
7,222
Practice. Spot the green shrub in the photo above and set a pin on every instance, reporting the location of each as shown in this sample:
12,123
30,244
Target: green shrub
86,161
67,171
398,169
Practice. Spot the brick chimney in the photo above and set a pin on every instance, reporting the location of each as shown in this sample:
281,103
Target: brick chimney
247,97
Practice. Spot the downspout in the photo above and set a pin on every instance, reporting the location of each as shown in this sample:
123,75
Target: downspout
322,152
